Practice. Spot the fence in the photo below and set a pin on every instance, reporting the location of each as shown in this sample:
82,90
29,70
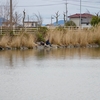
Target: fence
16,30
68,27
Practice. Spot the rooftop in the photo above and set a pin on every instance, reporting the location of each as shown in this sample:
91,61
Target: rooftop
84,15
30,21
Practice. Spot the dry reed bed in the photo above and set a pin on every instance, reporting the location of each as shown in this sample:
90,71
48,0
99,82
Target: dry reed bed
74,37
56,36
17,41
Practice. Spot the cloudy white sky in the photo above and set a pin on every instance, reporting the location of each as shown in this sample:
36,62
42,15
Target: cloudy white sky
48,8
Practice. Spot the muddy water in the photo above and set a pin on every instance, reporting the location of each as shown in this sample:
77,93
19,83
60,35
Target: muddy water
58,74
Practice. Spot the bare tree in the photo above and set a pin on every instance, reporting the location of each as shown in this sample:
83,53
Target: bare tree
5,12
17,18
56,16
24,14
64,17
39,19
97,14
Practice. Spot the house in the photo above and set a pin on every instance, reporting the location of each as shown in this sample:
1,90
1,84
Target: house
7,24
85,19
49,25
30,24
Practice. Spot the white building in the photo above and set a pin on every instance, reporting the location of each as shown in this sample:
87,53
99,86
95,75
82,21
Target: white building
85,20
30,24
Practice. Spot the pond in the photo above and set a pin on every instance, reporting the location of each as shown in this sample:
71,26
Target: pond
50,74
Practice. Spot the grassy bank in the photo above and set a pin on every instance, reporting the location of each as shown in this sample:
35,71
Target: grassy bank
74,37
58,36
17,41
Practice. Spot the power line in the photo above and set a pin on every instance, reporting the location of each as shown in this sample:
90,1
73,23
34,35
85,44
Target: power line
95,2
41,5
84,6
38,5
84,1
56,4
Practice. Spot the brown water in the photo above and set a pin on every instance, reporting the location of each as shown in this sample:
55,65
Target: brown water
58,74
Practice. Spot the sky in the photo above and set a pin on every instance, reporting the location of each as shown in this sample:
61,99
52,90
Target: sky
48,8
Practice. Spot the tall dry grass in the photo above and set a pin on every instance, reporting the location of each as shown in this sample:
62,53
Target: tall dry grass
82,37
23,40
18,41
56,36
4,41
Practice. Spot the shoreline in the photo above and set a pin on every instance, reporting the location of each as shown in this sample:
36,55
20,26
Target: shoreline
57,38
39,46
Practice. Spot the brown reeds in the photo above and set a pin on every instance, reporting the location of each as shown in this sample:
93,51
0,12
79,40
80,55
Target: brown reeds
27,40
74,37
55,36
23,40
4,41
18,41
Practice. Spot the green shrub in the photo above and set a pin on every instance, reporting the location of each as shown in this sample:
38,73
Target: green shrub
70,23
11,33
60,28
43,30
40,35
95,20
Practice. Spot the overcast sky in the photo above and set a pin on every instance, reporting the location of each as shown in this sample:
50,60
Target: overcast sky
48,8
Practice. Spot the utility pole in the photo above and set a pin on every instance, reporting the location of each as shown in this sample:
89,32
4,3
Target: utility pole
51,20
66,11
28,18
11,13
80,14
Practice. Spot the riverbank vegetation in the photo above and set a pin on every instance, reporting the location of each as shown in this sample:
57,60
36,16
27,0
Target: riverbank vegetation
58,36
61,36
17,41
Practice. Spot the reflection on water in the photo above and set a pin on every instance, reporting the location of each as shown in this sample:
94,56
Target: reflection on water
89,52
50,74
23,55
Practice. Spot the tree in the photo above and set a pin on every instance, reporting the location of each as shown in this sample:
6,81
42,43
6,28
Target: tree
64,17
39,19
70,23
95,20
17,18
24,14
57,15
5,12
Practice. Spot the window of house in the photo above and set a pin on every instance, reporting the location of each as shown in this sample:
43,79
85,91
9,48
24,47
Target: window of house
32,24
87,23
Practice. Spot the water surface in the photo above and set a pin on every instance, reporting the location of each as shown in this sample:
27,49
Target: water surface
58,74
